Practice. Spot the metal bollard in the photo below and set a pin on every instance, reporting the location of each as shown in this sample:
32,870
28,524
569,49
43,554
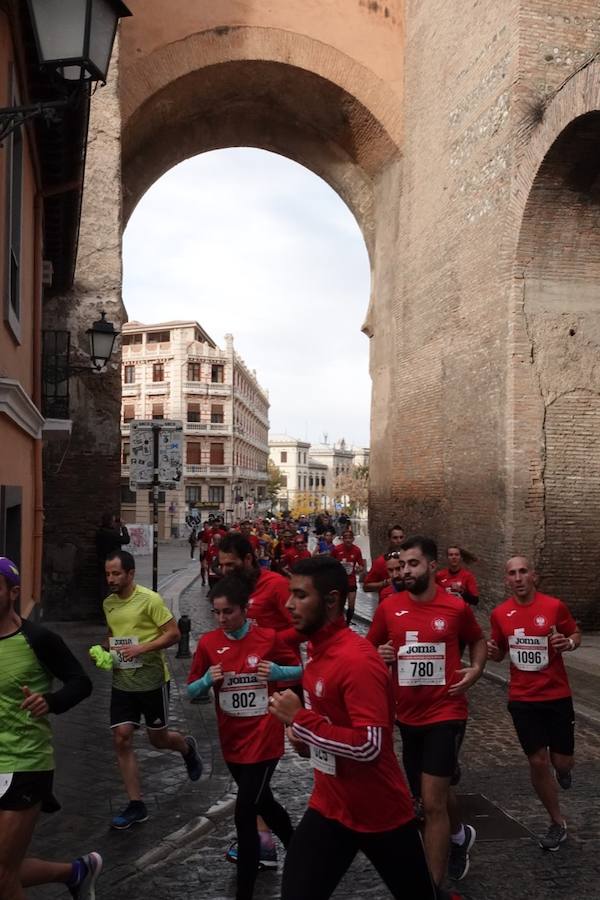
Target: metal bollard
185,626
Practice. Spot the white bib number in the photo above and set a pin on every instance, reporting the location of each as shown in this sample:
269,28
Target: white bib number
322,760
421,664
5,782
529,654
349,567
118,644
243,695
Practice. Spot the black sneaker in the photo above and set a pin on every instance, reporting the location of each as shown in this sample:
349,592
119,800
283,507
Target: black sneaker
192,761
565,779
555,836
458,862
134,813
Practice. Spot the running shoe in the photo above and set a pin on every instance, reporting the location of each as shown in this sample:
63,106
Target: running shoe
134,813
555,836
192,761
267,858
458,863
85,888
565,779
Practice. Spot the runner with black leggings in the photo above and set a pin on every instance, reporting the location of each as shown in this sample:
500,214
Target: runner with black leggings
240,661
360,800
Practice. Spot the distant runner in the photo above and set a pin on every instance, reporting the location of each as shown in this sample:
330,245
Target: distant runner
377,577
349,555
457,579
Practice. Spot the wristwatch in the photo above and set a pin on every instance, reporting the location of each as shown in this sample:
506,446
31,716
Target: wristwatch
571,643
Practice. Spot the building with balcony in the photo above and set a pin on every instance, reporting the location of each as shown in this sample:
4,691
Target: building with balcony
310,471
174,370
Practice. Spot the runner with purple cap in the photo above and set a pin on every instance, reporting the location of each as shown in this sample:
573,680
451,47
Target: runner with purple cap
30,658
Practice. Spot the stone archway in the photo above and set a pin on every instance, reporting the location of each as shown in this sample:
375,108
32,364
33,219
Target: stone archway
242,86
554,377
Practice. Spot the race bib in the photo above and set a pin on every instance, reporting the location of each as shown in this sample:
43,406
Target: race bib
118,644
322,760
5,782
529,654
243,695
421,664
349,567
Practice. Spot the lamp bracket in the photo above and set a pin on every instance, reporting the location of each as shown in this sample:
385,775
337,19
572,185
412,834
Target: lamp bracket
13,117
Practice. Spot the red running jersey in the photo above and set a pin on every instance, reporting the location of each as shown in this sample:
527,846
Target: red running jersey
247,731
352,559
537,671
346,686
267,601
457,582
425,637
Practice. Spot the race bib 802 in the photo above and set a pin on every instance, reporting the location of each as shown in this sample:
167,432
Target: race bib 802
243,695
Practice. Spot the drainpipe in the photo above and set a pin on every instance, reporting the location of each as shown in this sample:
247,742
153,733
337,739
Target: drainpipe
38,490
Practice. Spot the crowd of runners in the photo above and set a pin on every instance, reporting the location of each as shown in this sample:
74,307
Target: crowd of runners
283,663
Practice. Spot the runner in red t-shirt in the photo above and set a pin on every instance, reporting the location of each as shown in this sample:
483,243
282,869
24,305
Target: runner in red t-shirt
394,572
212,559
535,630
418,632
349,555
456,579
359,800
240,661
246,531
295,553
377,577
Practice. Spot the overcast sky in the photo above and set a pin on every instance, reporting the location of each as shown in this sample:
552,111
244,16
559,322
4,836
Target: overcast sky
248,242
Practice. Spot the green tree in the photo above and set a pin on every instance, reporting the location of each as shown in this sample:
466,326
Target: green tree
276,481
352,489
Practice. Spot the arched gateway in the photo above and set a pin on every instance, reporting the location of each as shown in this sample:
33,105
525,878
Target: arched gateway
433,124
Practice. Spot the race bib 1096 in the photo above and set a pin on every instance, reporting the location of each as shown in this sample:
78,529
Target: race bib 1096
529,653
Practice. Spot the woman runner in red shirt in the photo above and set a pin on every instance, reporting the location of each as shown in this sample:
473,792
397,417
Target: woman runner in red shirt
235,660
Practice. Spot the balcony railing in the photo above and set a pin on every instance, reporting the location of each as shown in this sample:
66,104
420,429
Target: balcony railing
131,390
208,388
207,427
251,474
158,387
213,471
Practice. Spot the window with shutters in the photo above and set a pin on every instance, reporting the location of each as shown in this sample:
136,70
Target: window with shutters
217,414
194,371
125,452
158,371
193,412
158,411
128,412
283,455
217,374
193,453
216,494
217,454
193,493
158,337
128,374
128,339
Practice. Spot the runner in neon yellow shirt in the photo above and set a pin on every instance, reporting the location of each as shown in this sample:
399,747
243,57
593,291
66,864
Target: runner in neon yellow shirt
140,629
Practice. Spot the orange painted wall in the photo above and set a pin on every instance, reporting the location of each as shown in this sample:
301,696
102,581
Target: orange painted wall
17,448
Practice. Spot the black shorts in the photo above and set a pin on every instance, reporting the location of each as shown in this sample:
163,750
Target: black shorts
544,723
128,707
431,749
27,789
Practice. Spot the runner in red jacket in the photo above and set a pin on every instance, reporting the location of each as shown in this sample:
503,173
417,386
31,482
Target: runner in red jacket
240,662
349,555
360,800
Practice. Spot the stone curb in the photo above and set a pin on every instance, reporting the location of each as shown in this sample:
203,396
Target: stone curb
179,842
172,586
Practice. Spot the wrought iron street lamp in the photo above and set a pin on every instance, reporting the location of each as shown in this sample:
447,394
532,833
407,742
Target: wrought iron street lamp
74,39
102,337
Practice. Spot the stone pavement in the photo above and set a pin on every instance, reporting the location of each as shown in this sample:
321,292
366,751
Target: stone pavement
179,852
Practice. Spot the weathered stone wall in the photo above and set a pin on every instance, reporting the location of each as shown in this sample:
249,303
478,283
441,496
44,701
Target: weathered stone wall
82,476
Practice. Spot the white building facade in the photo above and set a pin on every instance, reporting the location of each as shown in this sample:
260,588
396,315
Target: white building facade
303,478
174,370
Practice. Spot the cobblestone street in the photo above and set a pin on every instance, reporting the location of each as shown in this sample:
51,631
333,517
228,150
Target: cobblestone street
156,860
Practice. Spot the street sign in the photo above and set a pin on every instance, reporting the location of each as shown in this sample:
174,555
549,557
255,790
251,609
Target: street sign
170,453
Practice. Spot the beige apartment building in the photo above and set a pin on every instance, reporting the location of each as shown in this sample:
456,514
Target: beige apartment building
174,370
310,470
